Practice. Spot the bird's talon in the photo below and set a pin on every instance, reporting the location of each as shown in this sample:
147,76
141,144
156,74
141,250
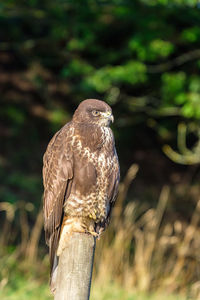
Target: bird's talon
93,233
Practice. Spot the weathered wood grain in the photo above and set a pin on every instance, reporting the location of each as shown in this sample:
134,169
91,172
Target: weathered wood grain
75,266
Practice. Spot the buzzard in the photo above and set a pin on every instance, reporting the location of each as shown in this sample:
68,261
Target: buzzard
80,175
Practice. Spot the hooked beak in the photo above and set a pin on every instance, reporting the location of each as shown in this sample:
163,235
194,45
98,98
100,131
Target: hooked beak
112,118
108,115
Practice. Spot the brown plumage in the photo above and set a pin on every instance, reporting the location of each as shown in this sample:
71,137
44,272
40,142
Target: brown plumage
80,175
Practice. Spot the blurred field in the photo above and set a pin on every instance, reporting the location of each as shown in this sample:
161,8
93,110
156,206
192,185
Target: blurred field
33,289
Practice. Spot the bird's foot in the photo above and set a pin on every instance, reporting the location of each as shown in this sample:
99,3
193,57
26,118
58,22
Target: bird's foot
93,233
89,224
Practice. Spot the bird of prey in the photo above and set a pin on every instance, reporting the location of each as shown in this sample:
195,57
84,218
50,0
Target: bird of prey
80,175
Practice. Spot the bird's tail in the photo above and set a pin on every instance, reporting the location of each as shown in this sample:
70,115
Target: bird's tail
53,245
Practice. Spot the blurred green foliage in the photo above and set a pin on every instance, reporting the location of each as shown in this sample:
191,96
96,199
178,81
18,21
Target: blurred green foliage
142,48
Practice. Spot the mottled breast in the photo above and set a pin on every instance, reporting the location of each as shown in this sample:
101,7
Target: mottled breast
92,171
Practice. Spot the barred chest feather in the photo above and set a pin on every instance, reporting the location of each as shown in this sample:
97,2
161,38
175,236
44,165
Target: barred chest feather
95,164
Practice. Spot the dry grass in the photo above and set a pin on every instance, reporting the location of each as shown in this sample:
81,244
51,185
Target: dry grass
145,251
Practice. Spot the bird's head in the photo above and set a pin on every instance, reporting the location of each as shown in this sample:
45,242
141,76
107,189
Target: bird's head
93,111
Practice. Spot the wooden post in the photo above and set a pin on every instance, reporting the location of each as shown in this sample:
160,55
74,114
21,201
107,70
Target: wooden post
75,265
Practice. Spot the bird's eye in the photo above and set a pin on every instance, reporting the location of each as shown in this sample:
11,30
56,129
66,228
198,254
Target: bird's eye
95,113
